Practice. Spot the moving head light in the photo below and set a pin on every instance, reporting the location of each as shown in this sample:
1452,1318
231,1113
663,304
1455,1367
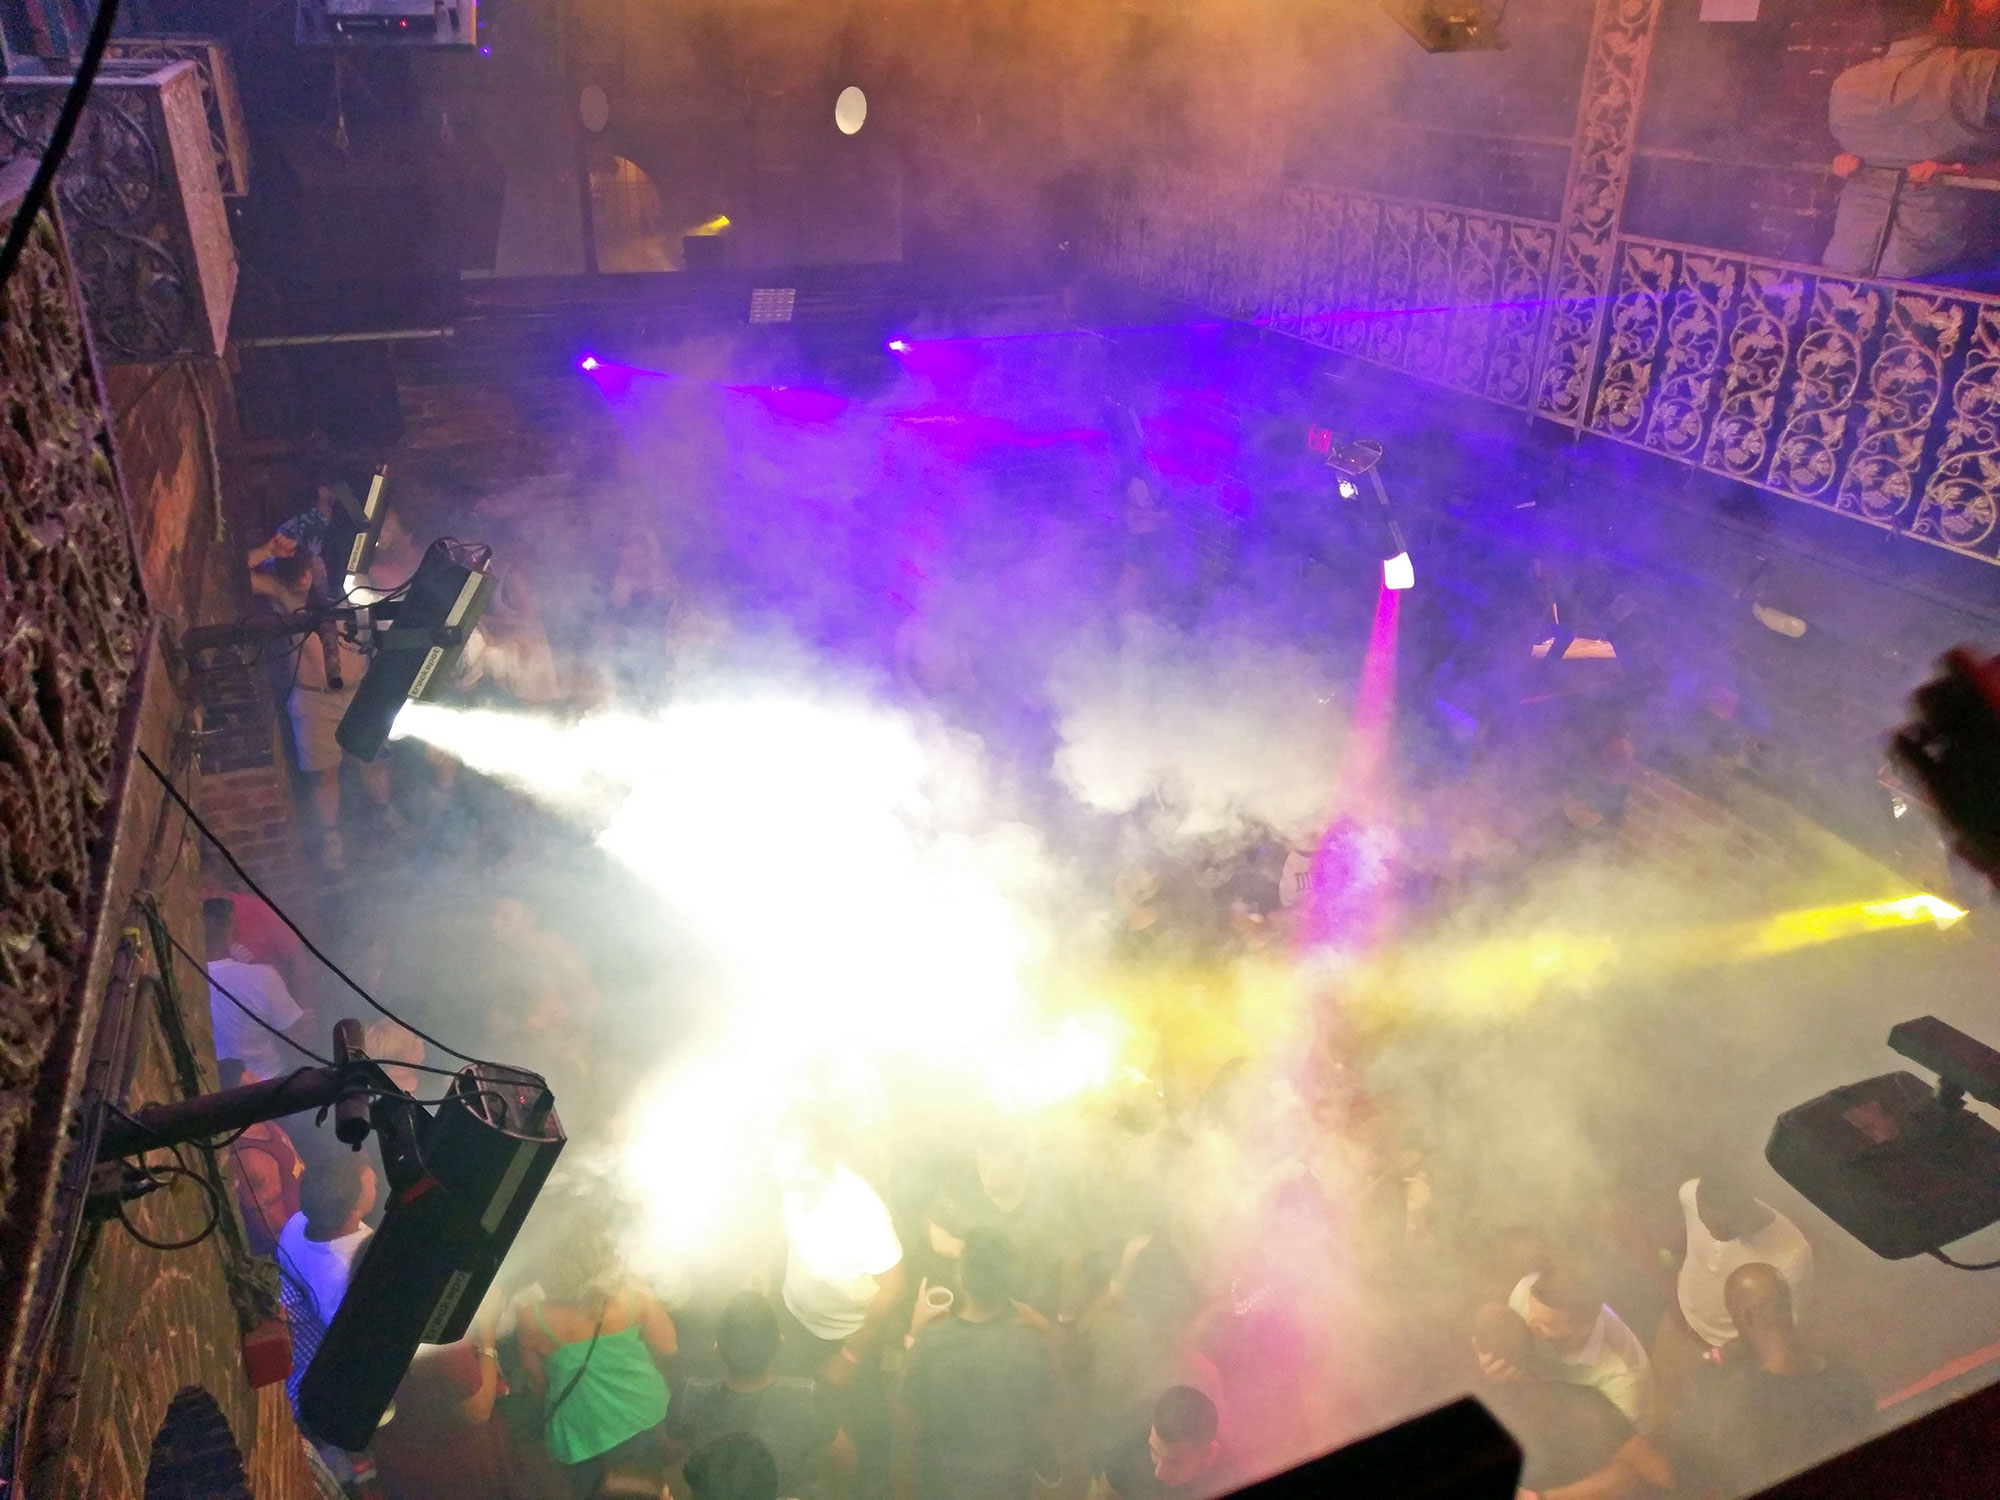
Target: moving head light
460,1183
428,623
1902,1166
1451,25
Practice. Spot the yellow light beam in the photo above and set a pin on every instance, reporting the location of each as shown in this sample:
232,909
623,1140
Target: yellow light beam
1503,976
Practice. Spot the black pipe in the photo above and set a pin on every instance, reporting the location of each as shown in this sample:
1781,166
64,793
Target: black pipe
209,1115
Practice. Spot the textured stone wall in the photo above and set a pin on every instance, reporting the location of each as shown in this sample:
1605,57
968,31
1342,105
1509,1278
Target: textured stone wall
74,620
84,831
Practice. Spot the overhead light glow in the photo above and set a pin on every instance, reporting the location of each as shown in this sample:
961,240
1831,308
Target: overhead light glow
1398,572
850,110
589,362
897,346
914,927
1347,489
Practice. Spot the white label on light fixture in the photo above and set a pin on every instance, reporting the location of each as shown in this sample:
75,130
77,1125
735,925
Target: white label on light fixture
447,1304
423,678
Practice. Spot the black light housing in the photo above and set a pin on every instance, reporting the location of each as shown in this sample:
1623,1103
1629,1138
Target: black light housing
1902,1166
428,623
1451,25
460,1184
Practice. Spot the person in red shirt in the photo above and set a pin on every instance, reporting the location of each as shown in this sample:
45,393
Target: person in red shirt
267,1169
263,935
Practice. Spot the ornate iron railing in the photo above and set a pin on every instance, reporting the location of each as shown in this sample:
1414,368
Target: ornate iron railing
1453,295
1879,400
1876,399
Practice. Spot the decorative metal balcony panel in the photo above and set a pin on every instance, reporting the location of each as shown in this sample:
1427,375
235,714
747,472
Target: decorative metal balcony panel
141,204
1879,400
228,136
1451,295
1600,168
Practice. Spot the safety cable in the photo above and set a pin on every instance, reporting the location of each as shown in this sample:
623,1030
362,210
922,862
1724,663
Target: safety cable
311,947
325,1062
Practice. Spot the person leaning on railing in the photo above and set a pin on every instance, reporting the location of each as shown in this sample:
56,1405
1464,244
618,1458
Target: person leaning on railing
1908,123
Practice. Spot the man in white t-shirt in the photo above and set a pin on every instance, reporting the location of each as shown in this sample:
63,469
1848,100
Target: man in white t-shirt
843,1278
319,1244
318,1247
1727,1227
258,986
1588,1343
843,1262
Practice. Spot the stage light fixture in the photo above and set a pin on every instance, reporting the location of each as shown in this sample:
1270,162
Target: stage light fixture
1451,25
361,552
386,23
897,346
1348,490
1899,1164
588,362
463,1171
1398,572
429,622
461,1181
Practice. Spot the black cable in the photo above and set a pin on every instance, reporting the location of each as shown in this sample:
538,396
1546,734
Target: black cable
311,947
325,1062
1960,1265
230,995
37,195
216,1208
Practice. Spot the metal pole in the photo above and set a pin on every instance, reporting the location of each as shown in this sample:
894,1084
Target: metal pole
378,336
209,1115
1888,225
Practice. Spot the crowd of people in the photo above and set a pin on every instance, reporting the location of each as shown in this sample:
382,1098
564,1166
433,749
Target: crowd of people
1019,1317
1164,1291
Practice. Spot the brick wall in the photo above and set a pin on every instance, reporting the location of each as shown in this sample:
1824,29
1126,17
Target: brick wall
1732,138
246,782
168,424
142,1325
1733,142
463,437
